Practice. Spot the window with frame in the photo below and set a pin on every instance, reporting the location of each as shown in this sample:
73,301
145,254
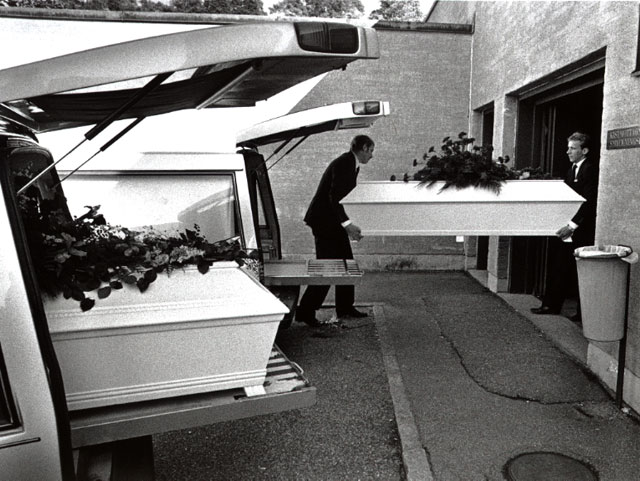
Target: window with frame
636,72
8,412
166,202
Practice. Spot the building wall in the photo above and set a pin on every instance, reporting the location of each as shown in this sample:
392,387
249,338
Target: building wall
425,77
452,11
517,44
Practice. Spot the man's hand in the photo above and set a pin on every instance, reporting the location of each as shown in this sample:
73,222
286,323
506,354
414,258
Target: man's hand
564,232
354,232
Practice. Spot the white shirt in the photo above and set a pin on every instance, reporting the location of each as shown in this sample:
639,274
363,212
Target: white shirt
578,164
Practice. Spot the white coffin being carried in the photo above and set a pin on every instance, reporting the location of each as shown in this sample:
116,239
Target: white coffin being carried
523,208
188,333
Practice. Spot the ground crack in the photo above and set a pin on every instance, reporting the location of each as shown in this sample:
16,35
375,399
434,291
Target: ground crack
487,389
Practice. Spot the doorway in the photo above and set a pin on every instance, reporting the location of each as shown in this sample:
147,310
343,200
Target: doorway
548,119
482,247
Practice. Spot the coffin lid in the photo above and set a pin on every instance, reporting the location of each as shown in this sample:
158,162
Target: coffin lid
183,300
224,66
399,192
346,115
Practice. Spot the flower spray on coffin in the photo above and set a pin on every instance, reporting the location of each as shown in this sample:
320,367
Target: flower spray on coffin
76,256
462,164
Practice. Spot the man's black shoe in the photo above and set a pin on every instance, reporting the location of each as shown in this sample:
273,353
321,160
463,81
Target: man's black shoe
542,310
353,313
309,320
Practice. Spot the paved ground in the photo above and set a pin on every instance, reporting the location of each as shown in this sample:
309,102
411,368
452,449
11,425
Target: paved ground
350,434
445,381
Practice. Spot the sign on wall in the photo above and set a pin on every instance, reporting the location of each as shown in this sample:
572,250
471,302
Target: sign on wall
625,138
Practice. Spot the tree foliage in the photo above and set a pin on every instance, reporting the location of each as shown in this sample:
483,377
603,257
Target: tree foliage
397,10
235,7
319,8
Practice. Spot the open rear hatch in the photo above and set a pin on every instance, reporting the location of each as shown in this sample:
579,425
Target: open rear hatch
226,66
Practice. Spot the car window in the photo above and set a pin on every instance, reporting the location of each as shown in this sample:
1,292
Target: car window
168,203
8,414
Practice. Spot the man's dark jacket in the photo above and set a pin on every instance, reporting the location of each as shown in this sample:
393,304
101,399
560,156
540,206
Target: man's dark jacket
587,186
325,212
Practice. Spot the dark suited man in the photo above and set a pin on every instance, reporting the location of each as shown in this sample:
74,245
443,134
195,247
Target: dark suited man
332,229
579,231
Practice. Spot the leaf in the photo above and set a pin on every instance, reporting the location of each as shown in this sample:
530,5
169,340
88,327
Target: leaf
104,292
89,284
203,267
150,275
393,177
142,284
115,284
77,294
130,279
87,304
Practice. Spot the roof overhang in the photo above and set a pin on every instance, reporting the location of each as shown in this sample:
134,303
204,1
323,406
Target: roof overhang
225,66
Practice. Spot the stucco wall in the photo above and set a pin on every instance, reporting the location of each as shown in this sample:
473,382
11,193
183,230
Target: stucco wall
452,11
518,43
425,77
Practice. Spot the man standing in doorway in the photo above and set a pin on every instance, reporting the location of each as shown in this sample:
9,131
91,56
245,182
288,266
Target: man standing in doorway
333,230
579,231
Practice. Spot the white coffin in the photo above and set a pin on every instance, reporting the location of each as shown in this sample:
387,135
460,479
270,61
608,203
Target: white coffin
523,207
188,333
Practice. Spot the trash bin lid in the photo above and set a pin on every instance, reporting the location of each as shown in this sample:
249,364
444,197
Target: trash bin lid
625,253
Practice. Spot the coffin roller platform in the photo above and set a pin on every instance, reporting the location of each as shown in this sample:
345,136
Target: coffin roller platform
523,208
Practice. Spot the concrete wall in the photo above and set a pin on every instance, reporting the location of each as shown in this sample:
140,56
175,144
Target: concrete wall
516,44
425,77
452,11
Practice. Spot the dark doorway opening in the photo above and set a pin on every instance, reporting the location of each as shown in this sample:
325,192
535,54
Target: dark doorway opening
482,246
545,122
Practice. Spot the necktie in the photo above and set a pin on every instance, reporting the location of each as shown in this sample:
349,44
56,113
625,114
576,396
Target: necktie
574,169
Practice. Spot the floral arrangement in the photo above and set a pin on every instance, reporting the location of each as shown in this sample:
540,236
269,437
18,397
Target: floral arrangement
75,256
460,166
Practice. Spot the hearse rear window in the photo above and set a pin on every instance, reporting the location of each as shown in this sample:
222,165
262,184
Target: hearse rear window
167,203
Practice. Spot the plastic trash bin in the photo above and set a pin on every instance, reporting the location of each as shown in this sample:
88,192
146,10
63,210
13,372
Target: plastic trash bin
602,282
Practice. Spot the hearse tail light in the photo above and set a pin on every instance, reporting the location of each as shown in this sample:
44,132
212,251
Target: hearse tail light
327,37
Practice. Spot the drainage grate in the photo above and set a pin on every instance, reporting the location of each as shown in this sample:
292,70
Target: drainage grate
545,466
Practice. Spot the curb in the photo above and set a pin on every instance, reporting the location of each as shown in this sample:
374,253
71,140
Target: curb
414,456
